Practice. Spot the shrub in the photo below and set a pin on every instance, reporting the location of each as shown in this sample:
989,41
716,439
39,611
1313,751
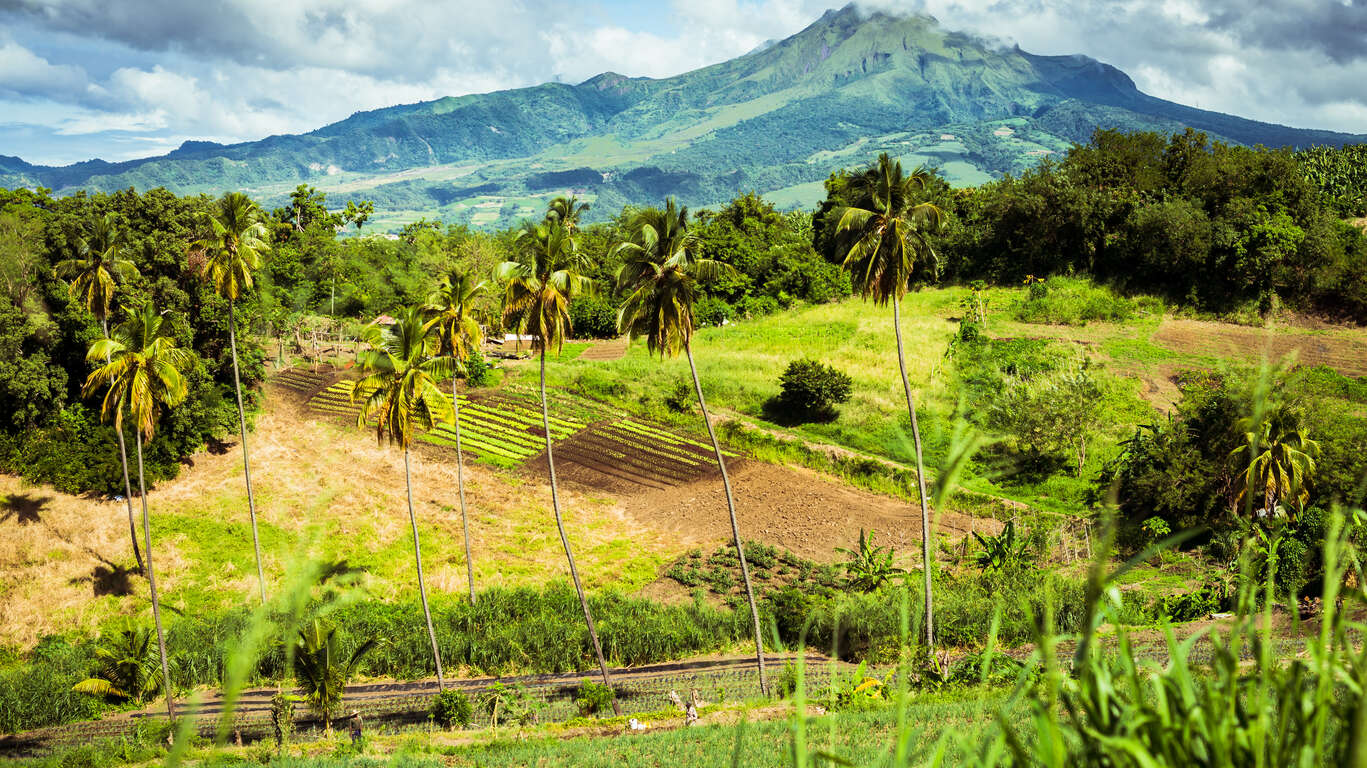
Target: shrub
1191,605
478,371
511,704
711,310
452,709
1004,551
869,566
810,390
592,698
757,306
593,317
1075,301
680,397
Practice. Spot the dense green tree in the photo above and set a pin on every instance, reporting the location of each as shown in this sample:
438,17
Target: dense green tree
660,279
141,376
885,234
399,392
543,278
450,310
230,254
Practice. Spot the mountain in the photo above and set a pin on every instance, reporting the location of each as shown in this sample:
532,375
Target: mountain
778,120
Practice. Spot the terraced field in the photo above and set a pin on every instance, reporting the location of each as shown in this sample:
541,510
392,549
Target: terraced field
595,445
300,380
627,452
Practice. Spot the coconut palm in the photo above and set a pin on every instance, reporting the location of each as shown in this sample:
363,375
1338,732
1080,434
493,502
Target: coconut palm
884,234
95,271
451,316
400,393
321,669
566,211
1280,464
546,275
142,374
660,276
231,253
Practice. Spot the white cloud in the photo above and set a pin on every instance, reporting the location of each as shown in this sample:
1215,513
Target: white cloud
25,74
235,70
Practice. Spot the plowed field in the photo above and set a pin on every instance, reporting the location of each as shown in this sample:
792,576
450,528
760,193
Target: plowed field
1336,349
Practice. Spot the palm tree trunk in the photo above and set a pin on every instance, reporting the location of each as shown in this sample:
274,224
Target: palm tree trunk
735,527
127,486
246,461
460,486
564,540
422,587
152,584
920,477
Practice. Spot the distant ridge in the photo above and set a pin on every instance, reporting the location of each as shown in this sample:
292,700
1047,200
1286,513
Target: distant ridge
777,120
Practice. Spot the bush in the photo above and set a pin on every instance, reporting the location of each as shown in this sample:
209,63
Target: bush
452,709
478,371
593,317
810,391
711,310
592,698
680,397
757,306
1075,301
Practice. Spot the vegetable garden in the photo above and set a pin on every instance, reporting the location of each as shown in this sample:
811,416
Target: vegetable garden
595,444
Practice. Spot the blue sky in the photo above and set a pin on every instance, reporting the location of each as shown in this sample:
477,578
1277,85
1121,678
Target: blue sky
117,79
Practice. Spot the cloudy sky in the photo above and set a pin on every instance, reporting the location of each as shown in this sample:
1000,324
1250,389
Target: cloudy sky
118,79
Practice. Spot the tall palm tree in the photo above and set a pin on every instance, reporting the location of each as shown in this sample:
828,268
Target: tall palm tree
142,375
566,211
452,317
95,271
232,252
660,275
400,392
884,234
1280,460
546,275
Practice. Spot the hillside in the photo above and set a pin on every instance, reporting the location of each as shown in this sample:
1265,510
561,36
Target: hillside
777,120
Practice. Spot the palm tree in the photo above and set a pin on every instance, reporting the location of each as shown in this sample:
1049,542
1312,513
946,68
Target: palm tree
660,277
566,210
321,670
1280,462
127,666
884,234
400,392
94,272
143,373
455,324
540,284
231,253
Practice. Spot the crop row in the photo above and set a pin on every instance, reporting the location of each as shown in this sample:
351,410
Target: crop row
645,430
658,449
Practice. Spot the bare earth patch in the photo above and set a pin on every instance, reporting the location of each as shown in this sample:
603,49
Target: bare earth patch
1344,350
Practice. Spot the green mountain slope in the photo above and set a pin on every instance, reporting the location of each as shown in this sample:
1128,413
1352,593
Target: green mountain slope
777,120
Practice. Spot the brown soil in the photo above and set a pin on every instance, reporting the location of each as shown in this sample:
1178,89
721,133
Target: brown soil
1344,351
606,350
792,508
